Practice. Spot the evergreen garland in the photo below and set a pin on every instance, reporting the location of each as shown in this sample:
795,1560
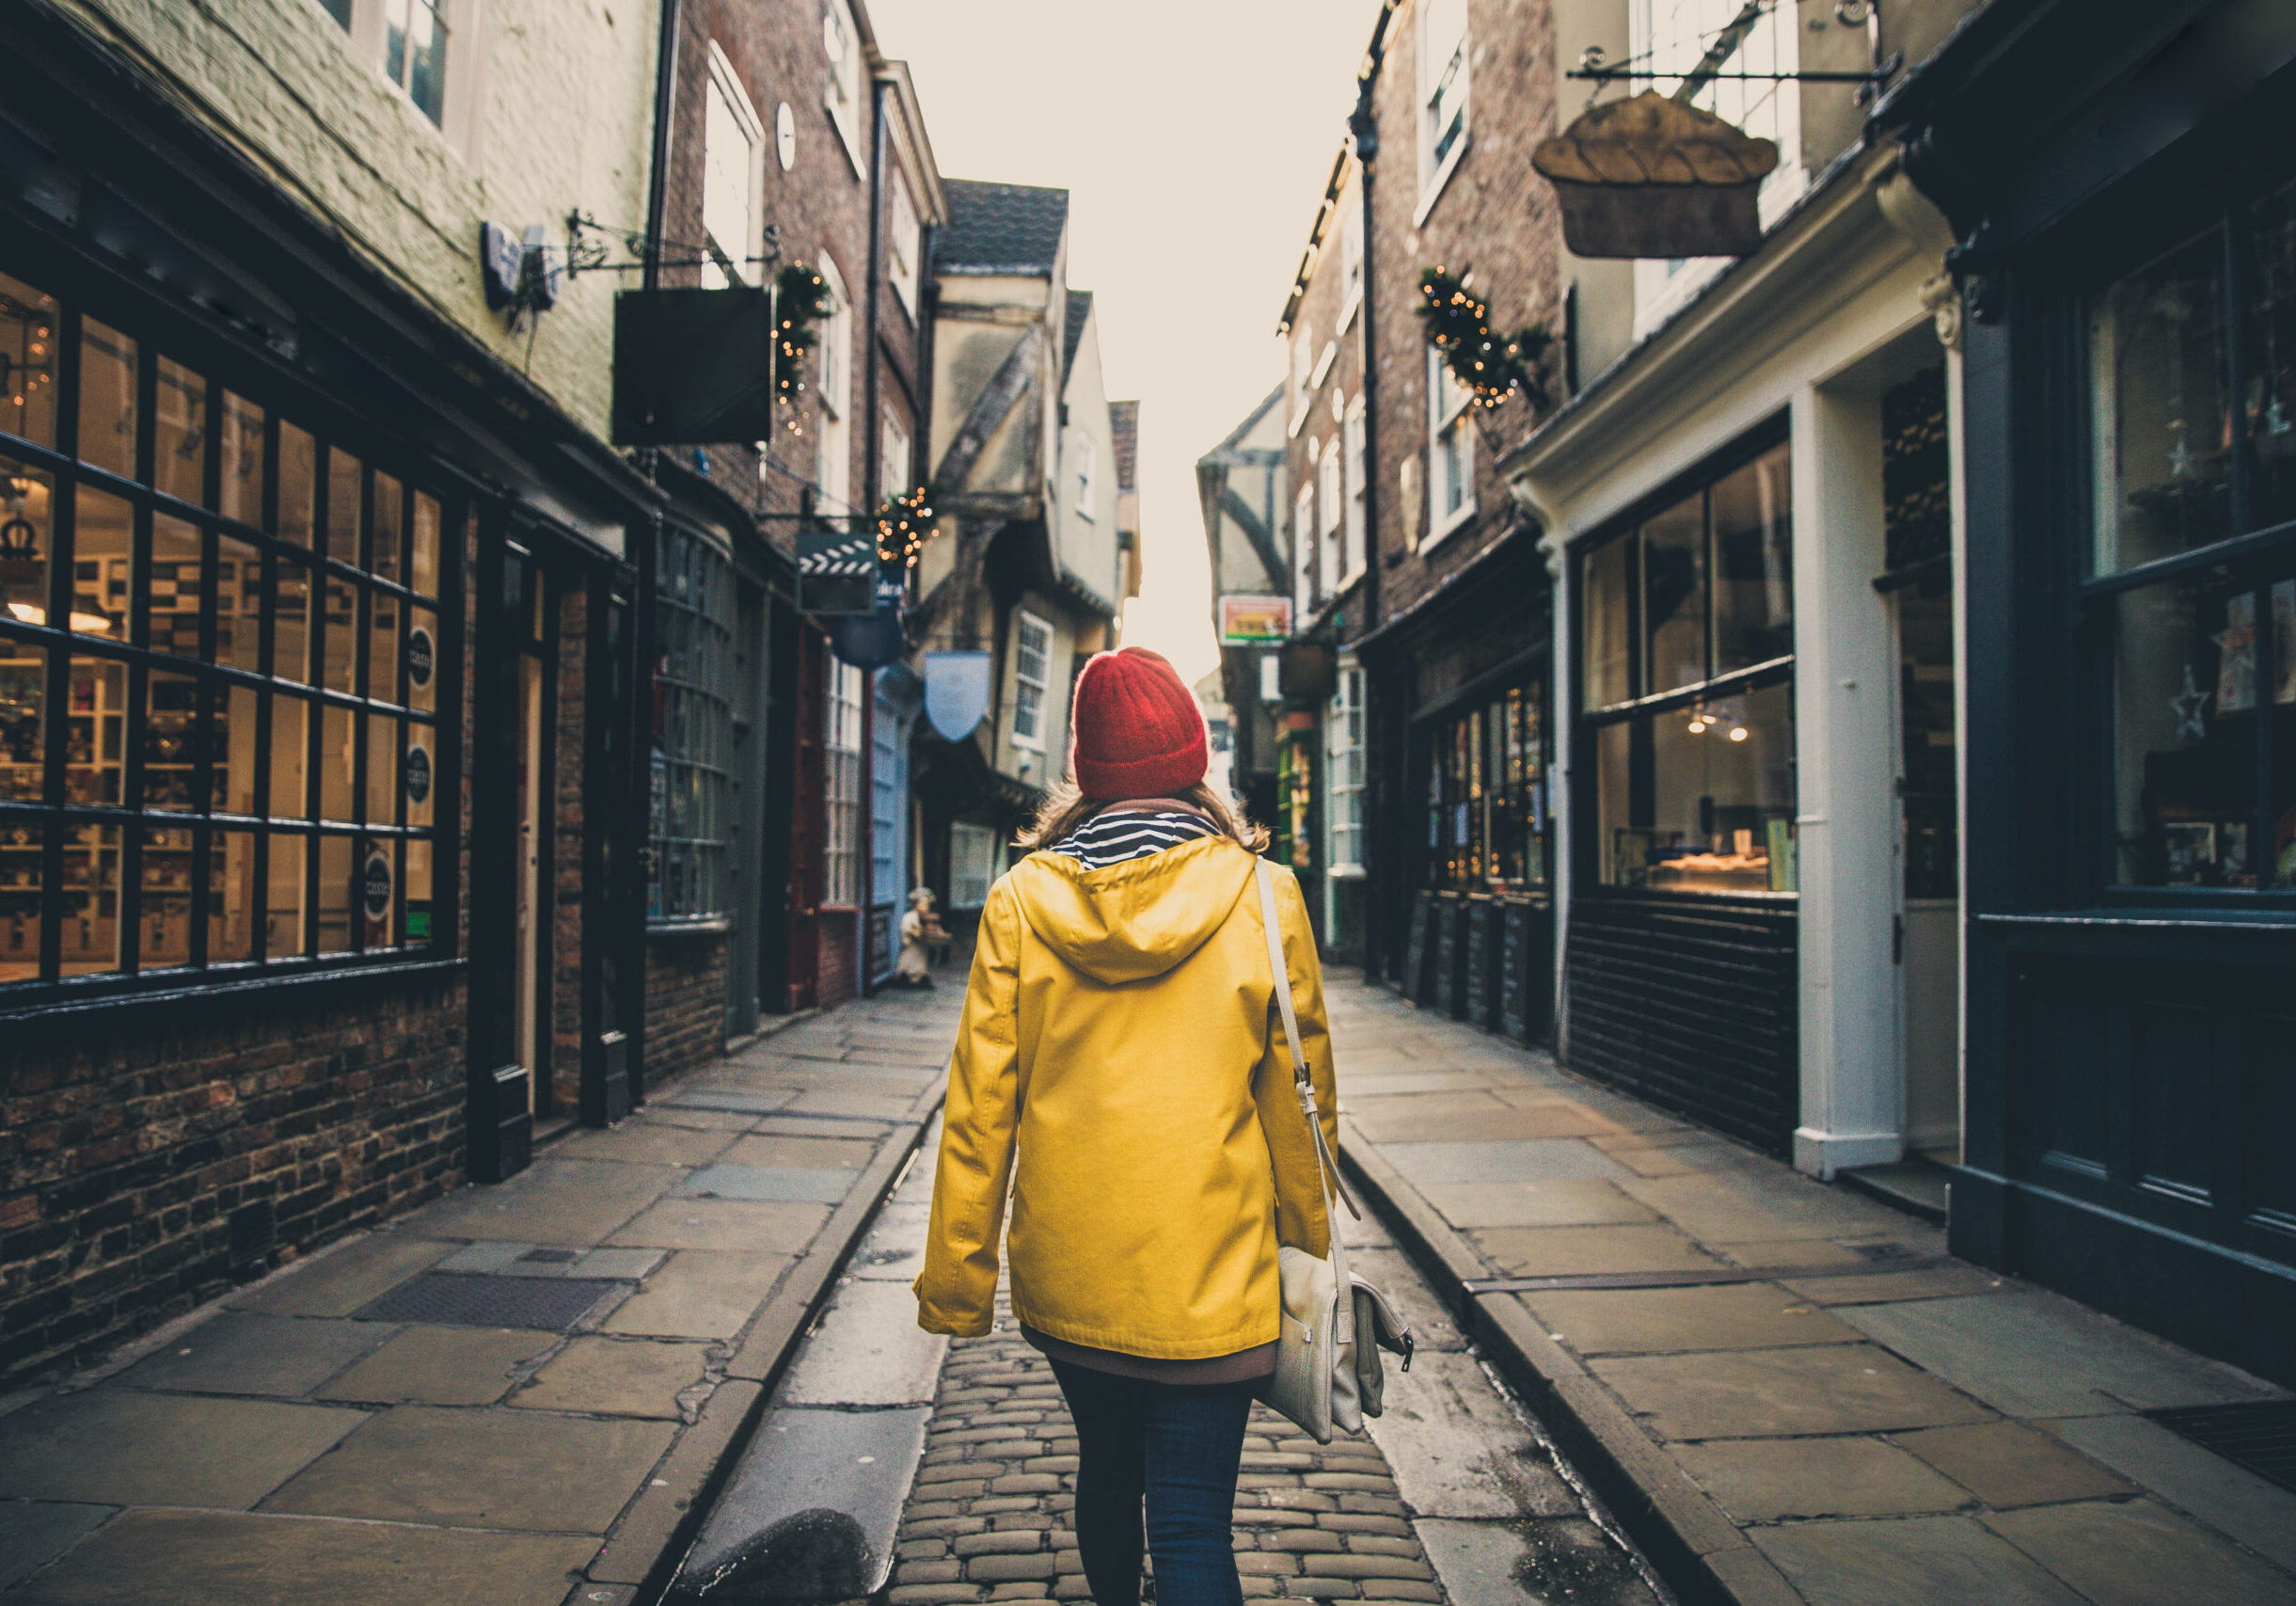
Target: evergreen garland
1490,363
802,299
904,525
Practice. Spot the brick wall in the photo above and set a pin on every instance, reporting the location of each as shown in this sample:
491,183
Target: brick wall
130,1141
835,977
685,1003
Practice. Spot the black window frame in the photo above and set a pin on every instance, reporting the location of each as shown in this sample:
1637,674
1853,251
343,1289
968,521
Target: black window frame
2093,598
1641,706
694,729
54,817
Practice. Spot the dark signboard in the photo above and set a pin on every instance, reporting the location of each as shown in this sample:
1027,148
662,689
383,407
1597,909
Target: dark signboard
692,367
422,656
836,572
1446,955
418,773
1415,951
1475,915
1515,969
375,885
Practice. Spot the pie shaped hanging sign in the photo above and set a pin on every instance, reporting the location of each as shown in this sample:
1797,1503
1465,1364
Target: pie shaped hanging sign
1651,177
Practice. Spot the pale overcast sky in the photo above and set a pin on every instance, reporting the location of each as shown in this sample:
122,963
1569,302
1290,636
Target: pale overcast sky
1194,138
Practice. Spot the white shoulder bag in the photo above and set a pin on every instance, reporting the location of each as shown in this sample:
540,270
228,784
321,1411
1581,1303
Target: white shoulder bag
1327,1366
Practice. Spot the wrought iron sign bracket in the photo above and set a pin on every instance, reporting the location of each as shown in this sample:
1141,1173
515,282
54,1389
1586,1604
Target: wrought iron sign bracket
590,249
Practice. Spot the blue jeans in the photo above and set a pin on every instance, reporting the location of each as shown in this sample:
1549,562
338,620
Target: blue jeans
1177,1446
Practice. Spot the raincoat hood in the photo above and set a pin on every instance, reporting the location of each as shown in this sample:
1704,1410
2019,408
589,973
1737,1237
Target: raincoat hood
1136,920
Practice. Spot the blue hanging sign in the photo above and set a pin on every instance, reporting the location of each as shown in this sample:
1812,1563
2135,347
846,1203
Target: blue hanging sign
955,692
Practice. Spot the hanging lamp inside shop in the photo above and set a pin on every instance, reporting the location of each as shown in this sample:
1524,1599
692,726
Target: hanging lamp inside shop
1651,177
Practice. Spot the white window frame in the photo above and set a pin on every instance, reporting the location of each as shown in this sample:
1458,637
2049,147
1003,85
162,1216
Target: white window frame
1343,769
894,464
1331,515
1302,364
904,241
840,86
1444,99
1350,254
1023,622
833,363
1448,424
458,123
972,852
1088,475
1303,554
841,787
1357,470
729,117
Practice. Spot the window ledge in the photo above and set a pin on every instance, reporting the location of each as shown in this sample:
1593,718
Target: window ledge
1439,181
715,927
78,1002
1458,520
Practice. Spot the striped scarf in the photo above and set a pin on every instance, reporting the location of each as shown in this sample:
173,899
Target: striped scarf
1112,839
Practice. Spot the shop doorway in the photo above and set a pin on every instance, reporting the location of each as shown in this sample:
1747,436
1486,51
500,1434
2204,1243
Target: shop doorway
1929,920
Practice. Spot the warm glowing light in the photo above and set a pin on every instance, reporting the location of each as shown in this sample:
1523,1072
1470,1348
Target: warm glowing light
87,624
1737,733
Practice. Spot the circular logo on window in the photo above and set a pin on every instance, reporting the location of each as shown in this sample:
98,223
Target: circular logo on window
422,655
785,135
374,888
418,773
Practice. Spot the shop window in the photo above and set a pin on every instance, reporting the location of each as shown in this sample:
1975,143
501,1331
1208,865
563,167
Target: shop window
1487,794
1343,769
973,865
227,778
888,844
1032,641
1687,641
2192,598
693,735
843,796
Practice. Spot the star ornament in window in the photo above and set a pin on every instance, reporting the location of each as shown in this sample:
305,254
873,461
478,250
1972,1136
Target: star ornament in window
2188,705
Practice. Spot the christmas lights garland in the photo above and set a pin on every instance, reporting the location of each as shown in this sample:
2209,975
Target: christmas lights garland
904,525
1490,363
802,299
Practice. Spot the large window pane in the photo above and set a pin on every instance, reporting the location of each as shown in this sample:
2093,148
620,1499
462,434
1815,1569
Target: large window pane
423,559
383,647
21,883
239,493
298,483
2162,410
232,751
338,651
290,728
176,586
163,910
1702,800
1754,564
389,531
342,506
416,907
101,530
23,701
337,864
2270,403
28,326
383,777
179,433
338,758
419,774
171,741
92,900
239,604
1674,594
27,536
291,626
284,902
108,398
95,731
230,896
421,658
1609,635
2185,700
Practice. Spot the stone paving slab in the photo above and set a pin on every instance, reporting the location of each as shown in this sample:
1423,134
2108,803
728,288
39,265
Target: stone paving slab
1823,1439
389,1463
2134,1553
787,1184
198,1558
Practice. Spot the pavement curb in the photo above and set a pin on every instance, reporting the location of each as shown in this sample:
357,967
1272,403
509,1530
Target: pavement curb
1703,1556
648,1545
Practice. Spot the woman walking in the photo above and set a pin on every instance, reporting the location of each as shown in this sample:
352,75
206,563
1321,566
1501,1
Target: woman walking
1115,1069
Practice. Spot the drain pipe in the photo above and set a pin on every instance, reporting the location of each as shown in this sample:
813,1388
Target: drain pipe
665,97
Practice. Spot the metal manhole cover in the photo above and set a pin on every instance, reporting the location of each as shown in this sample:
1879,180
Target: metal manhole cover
456,1300
2260,1435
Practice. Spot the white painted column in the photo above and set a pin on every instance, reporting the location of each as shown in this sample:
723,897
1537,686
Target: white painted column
1852,1098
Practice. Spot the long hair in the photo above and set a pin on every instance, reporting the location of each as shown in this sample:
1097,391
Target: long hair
1064,808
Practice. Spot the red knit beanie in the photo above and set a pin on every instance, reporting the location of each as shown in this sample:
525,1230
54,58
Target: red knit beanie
1135,731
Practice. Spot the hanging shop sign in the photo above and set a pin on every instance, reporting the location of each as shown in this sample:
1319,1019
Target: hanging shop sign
1651,177
422,656
836,572
1254,621
417,773
1306,672
692,367
955,692
873,640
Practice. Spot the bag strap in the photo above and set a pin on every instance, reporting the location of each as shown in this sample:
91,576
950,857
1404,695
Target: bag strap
1302,1082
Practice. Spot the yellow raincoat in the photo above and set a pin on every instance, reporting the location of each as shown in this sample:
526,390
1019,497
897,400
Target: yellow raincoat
1120,1066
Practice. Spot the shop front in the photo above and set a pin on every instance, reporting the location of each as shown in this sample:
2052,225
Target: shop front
2131,393
1472,933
